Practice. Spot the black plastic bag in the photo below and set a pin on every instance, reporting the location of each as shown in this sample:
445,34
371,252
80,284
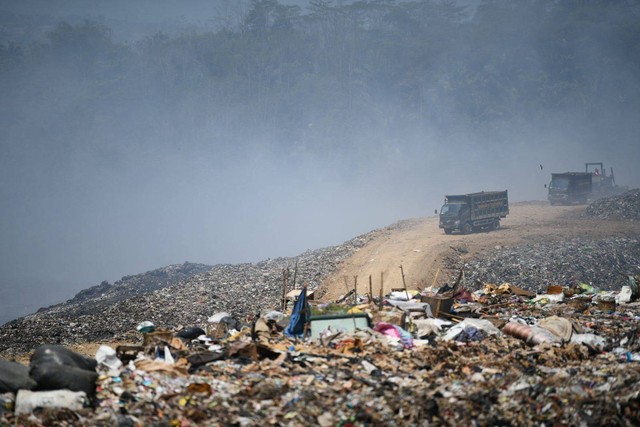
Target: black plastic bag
55,376
14,376
190,333
61,355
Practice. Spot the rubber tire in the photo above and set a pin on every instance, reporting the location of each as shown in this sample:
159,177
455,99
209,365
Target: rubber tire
447,231
467,228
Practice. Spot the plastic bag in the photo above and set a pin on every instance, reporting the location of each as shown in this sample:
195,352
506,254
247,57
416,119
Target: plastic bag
53,376
107,356
62,356
14,376
190,333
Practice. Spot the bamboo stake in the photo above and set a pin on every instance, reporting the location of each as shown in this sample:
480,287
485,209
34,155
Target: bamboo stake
355,300
404,283
435,278
355,290
295,275
285,279
381,288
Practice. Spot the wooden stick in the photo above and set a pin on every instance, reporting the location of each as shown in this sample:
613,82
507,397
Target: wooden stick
295,274
404,283
370,290
355,290
435,278
381,288
285,279
355,300
453,317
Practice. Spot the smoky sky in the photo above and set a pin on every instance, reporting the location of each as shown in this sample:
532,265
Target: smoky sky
122,186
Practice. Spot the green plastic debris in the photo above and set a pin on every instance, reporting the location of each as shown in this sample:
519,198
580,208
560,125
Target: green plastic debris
588,288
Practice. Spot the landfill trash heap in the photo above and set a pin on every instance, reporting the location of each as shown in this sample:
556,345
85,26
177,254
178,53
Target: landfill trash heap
623,206
499,355
185,295
538,333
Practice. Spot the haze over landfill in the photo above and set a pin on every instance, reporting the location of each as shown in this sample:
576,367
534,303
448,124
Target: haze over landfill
139,134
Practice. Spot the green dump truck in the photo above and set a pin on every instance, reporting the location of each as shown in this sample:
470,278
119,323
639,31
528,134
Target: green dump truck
570,188
467,213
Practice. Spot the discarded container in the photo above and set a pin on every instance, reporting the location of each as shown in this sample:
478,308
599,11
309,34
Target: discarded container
338,322
27,401
438,305
607,304
541,335
580,303
157,337
518,330
554,289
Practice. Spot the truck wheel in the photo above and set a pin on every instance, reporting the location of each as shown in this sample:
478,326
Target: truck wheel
467,228
447,231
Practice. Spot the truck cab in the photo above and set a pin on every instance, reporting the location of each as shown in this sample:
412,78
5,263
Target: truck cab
569,188
454,216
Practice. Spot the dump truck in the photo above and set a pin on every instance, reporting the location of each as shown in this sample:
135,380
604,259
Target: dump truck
570,188
467,213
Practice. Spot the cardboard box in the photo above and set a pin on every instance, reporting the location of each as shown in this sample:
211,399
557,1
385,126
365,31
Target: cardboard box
438,305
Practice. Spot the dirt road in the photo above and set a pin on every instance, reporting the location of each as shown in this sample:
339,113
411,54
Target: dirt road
423,249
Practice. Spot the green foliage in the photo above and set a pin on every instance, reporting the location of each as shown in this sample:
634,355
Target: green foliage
329,309
315,78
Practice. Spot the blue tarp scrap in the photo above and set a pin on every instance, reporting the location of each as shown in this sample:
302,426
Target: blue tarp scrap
299,317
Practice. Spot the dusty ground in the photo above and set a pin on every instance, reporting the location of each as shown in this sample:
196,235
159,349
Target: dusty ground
421,248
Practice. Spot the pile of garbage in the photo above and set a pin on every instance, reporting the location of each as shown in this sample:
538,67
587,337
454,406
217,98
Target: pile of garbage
499,355
112,311
535,266
95,298
623,206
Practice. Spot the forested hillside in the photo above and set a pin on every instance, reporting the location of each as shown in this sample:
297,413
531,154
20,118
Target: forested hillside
274,127
311,79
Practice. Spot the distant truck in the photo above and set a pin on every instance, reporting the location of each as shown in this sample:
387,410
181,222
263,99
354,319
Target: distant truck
570,188
473,212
